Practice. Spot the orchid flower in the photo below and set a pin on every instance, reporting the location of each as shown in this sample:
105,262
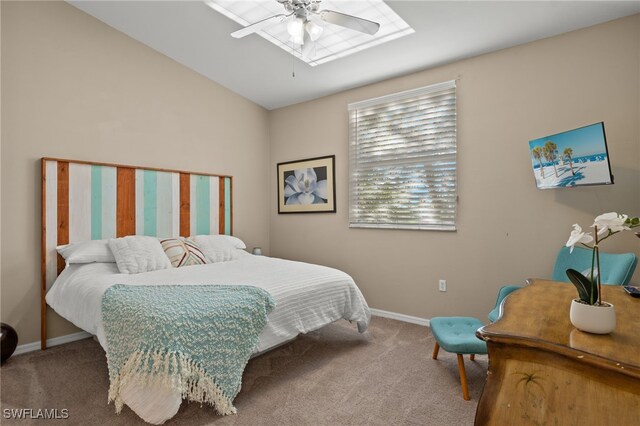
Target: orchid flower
303,187
578,236
610,221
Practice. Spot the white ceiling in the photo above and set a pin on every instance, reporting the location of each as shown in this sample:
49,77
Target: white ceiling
196,36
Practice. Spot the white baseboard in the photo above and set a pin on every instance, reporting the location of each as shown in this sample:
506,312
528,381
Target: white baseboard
400,317
30,347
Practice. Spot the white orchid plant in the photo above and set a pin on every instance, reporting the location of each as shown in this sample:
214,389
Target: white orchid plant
604,226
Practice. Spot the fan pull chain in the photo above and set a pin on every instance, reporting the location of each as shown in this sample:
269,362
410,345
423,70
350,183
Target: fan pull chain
293,65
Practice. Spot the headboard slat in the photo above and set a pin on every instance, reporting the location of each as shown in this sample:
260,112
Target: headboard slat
221,210
185,205
62,208
126,202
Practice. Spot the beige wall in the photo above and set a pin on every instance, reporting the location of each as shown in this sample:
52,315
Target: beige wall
73,87
507,229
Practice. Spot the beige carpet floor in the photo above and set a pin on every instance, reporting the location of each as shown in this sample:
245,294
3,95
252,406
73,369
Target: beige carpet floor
333,376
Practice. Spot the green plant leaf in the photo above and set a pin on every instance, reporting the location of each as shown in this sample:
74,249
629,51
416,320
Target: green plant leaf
586,291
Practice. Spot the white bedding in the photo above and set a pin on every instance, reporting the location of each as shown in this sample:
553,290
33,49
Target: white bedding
307,297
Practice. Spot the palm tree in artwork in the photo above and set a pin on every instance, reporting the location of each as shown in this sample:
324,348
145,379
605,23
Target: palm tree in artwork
545,153
568,154
551,150
537,154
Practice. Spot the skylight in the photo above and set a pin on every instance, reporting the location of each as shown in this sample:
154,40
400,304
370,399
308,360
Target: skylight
335,41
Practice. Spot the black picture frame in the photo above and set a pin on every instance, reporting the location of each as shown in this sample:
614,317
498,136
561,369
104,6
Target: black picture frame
307,186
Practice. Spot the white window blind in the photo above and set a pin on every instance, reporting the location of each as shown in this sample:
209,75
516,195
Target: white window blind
402,156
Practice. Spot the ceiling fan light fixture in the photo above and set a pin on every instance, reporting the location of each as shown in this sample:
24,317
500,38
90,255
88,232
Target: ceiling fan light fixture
295,29
314,30
343,24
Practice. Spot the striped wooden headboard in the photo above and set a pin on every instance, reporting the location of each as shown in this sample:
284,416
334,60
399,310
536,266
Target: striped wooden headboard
90,201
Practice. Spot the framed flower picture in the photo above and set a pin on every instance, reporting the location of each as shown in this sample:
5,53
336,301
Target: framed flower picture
307,186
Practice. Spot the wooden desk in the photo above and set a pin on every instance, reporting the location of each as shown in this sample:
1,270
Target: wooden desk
542,371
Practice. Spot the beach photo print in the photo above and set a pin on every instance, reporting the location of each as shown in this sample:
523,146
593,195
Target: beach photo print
572,158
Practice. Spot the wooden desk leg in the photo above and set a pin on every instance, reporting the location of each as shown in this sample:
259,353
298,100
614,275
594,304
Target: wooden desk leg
463,378
436,348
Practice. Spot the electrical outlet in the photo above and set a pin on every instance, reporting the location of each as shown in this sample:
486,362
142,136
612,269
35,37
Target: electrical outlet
442,285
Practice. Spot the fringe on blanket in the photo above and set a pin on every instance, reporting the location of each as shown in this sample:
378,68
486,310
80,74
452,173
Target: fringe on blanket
173,370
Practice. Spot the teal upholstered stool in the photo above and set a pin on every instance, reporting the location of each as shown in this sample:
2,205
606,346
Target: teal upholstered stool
458,335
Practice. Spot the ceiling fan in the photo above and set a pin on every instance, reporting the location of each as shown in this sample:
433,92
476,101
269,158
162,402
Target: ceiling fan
305,23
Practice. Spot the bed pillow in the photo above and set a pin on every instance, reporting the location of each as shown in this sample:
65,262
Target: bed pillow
182,252
87,252
215,249
235,241
135,254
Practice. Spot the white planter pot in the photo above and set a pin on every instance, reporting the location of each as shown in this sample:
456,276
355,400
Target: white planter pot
593,318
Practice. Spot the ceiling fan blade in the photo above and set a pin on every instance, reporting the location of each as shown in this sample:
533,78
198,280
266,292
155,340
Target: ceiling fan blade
348,21
257,26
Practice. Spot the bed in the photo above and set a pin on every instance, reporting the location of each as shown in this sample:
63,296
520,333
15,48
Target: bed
77,207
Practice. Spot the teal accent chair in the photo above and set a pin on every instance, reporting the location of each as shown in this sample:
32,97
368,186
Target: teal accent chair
504,292
458,335
617,269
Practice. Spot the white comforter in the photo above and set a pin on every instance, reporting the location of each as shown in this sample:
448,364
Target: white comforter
307,297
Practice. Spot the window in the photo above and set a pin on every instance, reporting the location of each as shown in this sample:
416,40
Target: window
402,154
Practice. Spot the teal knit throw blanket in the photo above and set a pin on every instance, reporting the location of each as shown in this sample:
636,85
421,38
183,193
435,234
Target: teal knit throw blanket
196,339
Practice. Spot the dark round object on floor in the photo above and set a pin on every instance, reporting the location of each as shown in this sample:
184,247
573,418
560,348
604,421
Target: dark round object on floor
9,341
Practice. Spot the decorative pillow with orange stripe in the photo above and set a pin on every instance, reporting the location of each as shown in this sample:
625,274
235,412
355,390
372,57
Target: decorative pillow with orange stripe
182,252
